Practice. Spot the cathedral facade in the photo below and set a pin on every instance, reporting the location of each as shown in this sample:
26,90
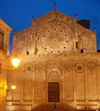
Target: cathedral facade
59,64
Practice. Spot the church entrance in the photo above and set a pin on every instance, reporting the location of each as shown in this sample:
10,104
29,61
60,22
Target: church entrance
53,92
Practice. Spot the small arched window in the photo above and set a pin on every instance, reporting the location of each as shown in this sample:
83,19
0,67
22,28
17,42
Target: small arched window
77,45
1,39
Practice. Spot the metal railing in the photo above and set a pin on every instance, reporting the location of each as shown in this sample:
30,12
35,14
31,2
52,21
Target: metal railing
3,46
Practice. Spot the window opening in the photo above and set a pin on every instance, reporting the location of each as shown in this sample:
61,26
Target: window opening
77,45
81,50
27,52
1,39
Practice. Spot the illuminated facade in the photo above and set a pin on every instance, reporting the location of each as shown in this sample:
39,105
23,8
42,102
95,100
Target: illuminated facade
4,45
59,63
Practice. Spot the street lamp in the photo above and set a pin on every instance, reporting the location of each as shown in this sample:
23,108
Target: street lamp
15,62
4,83
13,87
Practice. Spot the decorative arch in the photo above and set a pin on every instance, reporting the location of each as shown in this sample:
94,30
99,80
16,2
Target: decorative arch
54,75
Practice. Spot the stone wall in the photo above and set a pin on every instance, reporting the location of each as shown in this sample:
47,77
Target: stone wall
78,76
4,46
57,34
55,49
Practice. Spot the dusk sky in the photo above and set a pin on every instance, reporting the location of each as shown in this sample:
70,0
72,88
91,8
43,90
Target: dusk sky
18,13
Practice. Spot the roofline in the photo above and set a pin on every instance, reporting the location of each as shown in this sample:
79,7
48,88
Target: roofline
6,25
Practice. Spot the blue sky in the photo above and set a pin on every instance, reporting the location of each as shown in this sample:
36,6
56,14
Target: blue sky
18,13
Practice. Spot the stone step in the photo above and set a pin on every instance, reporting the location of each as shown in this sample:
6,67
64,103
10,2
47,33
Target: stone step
52,107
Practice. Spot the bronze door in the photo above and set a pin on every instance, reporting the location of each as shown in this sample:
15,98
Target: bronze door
53,92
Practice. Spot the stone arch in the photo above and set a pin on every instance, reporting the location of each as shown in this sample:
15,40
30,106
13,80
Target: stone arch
91,66
39,72
53,75
52,65
53,86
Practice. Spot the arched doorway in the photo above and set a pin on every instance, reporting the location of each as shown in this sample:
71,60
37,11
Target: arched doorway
54,86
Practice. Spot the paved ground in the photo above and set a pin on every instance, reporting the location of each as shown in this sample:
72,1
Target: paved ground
52,107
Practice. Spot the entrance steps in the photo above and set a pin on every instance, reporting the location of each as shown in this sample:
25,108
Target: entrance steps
53,107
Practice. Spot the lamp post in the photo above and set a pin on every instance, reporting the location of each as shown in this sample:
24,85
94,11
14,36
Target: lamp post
15,63
13,87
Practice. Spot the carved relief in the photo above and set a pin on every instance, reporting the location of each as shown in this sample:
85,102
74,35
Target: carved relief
68,70
28,67
53,76
58,33
79,68
53,66
91,66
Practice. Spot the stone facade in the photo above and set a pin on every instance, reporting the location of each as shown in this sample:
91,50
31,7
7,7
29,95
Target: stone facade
4,45
59,63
